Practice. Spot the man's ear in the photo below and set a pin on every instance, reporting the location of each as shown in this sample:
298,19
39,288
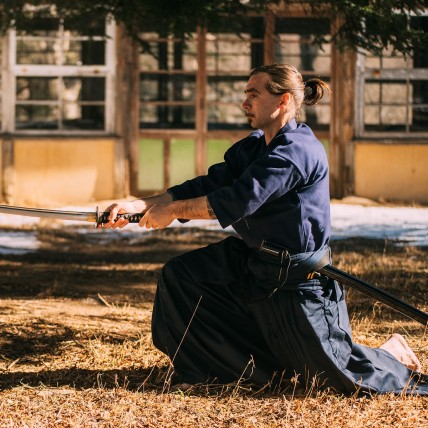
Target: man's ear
285,100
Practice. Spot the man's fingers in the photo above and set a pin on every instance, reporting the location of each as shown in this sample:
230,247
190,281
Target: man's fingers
143,220
114,210
146,221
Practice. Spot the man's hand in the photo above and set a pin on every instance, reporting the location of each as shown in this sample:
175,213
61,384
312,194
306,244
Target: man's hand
160,211
134,207
157,217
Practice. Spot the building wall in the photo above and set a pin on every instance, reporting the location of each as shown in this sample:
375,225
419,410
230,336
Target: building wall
53,172
395,172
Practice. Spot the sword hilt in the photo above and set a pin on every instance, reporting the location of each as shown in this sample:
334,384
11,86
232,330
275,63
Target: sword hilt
132,218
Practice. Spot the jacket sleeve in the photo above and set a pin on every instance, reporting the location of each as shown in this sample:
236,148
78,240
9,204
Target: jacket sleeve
264,180
218,176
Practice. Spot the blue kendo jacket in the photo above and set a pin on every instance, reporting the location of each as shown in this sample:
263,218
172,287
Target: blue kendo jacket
277,192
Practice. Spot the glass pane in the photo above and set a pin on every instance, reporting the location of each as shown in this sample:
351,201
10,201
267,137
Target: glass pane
182,161
395,93
226,89
419,116
38,52
394,105
372,61
38,26
395,62
226,117
295,44
150,164
225,95
372,93
168,55
42,44
85,26
148,115
162,87
167,87
317,116
236,46
393,115
216,150
149,58
231,54
36,117
77,116
372,115
421,54
86,52
84,89
36,88
163,116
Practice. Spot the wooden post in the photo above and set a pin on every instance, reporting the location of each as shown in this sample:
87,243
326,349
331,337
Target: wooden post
201,104
8,172
128,104
269,38
342,122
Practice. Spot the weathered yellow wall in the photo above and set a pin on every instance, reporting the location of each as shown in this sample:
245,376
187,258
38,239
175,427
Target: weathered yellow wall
63,171
396,172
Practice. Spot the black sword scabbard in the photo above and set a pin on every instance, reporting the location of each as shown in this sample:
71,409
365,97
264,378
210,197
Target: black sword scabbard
359,285
374,292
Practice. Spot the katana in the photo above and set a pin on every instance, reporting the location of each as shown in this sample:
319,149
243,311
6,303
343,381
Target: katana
324,268
88,216
273,249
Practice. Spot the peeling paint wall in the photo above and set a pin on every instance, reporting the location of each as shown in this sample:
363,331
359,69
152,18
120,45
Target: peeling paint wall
63,171
395,172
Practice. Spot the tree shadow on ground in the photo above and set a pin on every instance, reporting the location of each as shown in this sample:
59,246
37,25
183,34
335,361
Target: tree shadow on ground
140,379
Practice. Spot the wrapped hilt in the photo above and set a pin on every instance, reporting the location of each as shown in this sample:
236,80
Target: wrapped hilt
132,218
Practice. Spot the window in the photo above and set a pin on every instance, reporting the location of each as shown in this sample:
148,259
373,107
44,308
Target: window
168,82
232,51
392,92
60,80
294,44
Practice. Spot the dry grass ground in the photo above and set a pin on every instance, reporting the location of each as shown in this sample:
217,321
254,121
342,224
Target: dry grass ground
75,347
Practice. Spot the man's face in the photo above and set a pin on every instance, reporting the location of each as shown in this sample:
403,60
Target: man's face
261,107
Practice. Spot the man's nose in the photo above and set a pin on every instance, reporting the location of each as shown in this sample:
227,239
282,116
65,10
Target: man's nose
246,105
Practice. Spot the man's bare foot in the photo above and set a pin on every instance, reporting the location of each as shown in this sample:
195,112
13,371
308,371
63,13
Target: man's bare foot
397,346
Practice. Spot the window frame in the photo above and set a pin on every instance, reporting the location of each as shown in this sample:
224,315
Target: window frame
364,75
168,41
11,71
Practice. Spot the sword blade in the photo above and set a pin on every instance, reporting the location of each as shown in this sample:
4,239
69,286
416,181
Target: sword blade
44,213
88,216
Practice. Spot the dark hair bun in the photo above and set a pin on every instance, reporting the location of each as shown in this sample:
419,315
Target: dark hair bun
315,89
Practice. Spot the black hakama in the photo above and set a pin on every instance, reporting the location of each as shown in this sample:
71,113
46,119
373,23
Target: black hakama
217,321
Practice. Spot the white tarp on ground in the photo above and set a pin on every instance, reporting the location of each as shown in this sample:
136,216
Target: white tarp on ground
405,225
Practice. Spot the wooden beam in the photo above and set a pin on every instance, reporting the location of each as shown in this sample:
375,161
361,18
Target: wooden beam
128,103
8,171
342,127
269,38
201,103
